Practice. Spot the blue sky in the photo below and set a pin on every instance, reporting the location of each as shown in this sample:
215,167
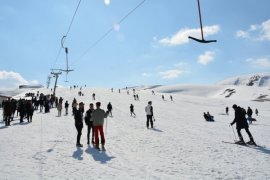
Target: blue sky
149,47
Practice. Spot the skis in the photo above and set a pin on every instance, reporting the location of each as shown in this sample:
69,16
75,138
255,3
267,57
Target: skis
243,144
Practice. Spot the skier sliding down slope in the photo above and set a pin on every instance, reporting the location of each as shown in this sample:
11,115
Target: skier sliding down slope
241,123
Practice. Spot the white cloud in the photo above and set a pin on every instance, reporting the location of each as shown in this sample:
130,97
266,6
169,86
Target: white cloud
242,34
181,37
12,79
257,32
260,62
206,58
171,74
107,2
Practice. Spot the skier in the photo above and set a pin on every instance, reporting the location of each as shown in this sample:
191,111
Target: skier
256,112
74,105
98,116
94,96
249,113
29,110
59,108
149,114
241,123
109,108
227,110
89,122
132,110
171,97
66,107
78,116
8,111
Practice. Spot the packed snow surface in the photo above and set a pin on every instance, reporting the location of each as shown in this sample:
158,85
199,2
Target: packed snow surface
182,145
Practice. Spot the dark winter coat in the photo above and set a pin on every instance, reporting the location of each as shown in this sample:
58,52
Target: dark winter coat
240,119
88,116
109,107
78,116
8,108
249,112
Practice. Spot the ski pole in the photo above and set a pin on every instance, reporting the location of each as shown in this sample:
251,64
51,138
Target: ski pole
234,133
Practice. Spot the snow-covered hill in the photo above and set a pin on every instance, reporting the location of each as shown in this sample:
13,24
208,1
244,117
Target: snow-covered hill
181,146
259,80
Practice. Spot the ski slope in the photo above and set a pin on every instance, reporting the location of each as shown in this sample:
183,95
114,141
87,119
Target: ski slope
181,146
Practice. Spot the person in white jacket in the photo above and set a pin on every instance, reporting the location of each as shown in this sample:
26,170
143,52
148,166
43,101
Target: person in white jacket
149,114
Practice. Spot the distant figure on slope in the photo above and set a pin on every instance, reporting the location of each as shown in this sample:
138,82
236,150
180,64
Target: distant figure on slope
153,92
256,112
74,105
249,114
227,110
241,123
208,117
89,122
109,108
29,111
98,116
162,97
78,116
8,111
132,110
66,107
171,97
149,114
111,89
94,96
59,109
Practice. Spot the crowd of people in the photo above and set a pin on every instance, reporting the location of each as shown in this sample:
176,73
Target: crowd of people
94,117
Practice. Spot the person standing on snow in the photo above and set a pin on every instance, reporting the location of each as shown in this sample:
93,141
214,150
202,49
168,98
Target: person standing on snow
98,116
109,108
132,110
59,108
149,114
78,116
249,114
241,123
66,107
89,122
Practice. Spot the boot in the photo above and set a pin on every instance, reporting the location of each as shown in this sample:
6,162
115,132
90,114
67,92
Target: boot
251,142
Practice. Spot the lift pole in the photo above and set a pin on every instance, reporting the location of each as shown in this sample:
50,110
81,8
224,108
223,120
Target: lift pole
56,75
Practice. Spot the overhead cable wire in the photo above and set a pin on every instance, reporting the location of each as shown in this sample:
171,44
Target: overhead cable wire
110,30
71,22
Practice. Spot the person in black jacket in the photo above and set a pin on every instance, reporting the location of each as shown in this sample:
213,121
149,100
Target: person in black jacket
66,107
241,123
249,113
109,108
78,116
89,122
132,110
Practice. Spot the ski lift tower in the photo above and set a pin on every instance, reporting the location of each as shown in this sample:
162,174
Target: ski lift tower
49,81
56,75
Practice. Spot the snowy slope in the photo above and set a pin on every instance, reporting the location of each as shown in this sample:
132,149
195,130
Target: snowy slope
259,80
181,146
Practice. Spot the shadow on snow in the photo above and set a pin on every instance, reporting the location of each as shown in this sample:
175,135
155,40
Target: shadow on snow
100,156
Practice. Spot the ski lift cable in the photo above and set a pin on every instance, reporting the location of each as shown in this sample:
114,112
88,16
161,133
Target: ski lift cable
68,30
110,30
